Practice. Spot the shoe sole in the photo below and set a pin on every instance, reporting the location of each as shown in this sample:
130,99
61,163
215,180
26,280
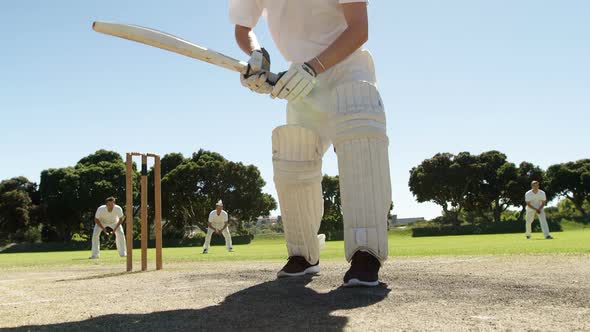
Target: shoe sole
359,283
310,270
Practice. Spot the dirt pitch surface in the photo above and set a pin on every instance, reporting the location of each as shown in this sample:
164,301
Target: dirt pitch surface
529,292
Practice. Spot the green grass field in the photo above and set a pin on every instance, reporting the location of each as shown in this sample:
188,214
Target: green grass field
574,239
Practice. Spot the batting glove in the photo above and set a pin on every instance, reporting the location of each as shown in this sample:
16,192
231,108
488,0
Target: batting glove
296,83
256,77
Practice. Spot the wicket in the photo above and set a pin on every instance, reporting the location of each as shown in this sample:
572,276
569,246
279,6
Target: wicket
144,211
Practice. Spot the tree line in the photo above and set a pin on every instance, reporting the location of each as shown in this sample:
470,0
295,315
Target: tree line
468,188
63,204
481,188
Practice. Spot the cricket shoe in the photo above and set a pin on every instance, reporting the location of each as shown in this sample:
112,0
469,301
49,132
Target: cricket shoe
528,237
93,257
548,237
298,266
205,251
363,272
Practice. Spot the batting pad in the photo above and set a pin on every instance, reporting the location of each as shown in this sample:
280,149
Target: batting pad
361,143
296,155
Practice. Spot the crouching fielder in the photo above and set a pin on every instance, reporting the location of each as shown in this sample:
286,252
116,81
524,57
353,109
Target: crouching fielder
535,206
111,216
218,224
333,99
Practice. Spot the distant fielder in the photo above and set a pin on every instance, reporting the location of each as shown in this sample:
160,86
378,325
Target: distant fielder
535,204
332,96
108,219
218,223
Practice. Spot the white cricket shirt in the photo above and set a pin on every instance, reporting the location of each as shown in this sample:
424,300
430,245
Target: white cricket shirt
108,218
535,199
218,220
301,29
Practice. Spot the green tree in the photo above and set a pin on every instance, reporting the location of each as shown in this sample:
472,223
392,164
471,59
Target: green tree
23,184
494,186
70,195
59,189
15,206
191,189
169,162
477,188
20,214
101,156
572,181
101,174
332,220
446,180
566,209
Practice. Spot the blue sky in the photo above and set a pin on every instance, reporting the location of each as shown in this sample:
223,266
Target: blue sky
457,75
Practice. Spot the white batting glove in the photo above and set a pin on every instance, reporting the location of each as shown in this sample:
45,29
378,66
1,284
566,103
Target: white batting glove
256,75
296,83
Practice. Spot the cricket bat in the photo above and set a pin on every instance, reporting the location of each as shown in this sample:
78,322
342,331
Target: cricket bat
174,44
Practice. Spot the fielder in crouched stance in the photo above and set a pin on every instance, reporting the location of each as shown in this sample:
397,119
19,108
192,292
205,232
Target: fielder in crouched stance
108,219
218,224
332,95
535,206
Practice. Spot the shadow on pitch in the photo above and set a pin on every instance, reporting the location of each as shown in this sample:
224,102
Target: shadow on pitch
283,304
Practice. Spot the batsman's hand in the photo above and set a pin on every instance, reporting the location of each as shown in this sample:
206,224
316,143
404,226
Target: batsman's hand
108,231
296,83
256,76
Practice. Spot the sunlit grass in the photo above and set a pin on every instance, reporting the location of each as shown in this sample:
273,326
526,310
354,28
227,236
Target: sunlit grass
272,248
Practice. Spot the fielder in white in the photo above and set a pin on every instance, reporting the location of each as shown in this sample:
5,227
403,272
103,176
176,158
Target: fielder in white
535,203
218,224
332,95
110,216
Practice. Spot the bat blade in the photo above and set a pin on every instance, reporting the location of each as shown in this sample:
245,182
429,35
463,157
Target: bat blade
170,43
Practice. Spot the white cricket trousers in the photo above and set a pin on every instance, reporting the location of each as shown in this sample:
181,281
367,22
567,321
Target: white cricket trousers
226,235
119,241
530,217
345,110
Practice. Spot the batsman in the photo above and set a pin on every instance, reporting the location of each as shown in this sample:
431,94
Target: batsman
332,99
